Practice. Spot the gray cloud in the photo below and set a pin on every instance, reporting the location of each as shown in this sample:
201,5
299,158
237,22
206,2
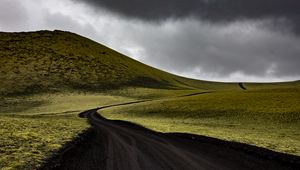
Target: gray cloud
207,10
11,19
63,22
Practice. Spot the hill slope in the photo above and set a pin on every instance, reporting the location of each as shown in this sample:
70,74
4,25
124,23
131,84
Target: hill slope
56,60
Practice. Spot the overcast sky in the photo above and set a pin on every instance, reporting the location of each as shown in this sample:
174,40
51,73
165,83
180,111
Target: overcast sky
220,40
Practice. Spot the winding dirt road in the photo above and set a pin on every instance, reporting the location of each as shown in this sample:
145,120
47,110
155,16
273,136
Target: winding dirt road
120,145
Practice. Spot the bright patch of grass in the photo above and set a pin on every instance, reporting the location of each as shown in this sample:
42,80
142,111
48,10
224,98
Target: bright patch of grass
148,93
26,142
56,103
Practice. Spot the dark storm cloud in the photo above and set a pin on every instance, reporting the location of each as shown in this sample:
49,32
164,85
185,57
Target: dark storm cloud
207,10
220,50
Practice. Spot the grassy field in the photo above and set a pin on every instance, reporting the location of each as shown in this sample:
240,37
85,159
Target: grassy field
269,117
26,141
32,127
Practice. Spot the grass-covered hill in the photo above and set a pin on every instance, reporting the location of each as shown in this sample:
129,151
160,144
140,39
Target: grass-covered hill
56,60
